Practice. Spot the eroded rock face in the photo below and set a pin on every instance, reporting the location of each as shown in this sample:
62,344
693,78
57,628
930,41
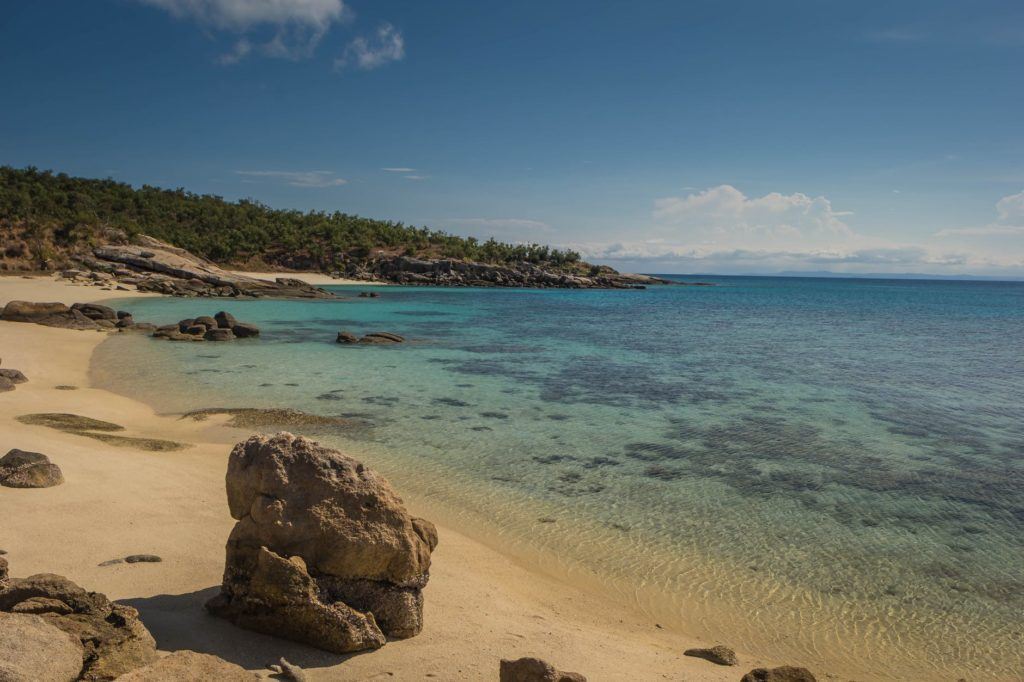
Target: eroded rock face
33,650
20,469
534,670
112,638
324,551
785,673
722,655
190,666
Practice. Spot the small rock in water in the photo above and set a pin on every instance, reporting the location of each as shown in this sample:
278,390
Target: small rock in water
346,337
786,673
722,655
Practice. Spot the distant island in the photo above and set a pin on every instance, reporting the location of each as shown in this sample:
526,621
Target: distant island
52,221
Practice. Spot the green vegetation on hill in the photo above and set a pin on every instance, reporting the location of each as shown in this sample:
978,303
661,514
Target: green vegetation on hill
44,215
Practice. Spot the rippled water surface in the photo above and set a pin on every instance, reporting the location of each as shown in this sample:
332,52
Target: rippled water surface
828,471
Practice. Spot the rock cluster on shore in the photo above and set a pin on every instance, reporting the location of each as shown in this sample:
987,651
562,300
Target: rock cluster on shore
149,264
82,316
221,327
324,551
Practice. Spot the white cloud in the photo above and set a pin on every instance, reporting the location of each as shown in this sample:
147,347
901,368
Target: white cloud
297,26
1009,221
399,170
298,178
366,53
723,217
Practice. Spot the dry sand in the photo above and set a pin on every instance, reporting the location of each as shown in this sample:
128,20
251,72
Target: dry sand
317,279
480,604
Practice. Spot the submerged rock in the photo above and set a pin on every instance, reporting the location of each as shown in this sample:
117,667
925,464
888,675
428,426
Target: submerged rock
324,551
21,469
112,638
786,673
346,337
534,670
722,655
382,337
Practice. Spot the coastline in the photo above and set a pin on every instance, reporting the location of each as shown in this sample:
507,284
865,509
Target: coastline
481,604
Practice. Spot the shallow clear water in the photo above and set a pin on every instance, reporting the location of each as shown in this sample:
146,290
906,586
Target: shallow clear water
827,471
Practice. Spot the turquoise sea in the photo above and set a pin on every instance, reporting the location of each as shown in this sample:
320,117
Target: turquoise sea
825,471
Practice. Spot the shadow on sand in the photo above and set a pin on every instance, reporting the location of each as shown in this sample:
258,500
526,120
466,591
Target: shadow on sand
179,621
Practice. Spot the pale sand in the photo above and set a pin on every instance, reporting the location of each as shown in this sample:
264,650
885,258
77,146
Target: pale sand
317,279
480,604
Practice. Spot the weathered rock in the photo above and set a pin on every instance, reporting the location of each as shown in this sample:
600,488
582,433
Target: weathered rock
382,337
113,638
218,334
6,385
368,294
190,666
142,559
13,375
33,650
124,322
225,319
244,330
95,311
347,337
786,673
291,671
47,314
121,314
206,321
722,655
20,469
324,551
196,329
183,325
167,269
3,572
534,670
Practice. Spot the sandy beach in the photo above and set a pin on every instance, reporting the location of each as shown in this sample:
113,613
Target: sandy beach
481,605
315,278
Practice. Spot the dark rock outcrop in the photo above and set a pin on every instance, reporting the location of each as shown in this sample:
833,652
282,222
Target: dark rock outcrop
113,639
222,327
347,337
722,655
244,330
324,551
225,319
20,469
534,670
218,334
95,311
786,673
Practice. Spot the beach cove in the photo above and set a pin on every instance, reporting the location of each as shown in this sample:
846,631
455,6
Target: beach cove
703,596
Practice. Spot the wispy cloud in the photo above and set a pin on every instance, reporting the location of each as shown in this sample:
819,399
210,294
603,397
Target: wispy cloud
296,27
416,177
317,179
386,45
399,170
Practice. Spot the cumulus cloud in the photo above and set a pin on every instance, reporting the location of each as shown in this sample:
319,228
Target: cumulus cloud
386,45
1009,221
296,26
297,178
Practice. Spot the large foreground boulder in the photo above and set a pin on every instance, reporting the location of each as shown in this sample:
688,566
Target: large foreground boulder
189,666
534,670
324,551
112,638
33,650
20,469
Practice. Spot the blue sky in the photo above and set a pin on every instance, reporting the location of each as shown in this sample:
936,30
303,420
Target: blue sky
713,136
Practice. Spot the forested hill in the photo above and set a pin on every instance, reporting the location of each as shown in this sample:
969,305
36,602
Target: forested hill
46,217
